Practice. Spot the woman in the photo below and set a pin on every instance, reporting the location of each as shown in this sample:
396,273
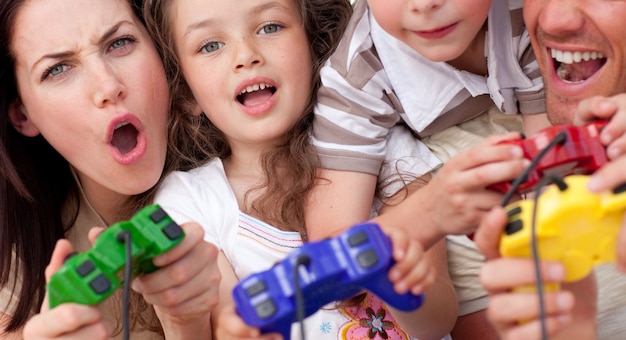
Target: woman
84,114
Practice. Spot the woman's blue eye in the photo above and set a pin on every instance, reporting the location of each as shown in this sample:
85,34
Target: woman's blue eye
54,71
118,43
211,46
269,29
122,42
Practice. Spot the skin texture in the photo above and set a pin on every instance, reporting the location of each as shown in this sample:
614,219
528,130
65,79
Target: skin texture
90,64
577,26
440,30
243,53
80,76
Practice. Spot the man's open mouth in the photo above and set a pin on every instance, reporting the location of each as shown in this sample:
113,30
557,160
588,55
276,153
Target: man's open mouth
577,66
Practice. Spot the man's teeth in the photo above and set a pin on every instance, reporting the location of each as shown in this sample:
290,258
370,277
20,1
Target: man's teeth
568,57
255,87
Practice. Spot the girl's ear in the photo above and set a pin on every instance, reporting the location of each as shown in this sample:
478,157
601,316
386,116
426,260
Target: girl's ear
21,122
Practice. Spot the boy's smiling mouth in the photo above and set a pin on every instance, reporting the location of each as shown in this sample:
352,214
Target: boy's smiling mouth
577,66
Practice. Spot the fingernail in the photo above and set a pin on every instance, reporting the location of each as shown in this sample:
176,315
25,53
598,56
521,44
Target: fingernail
564,301
594,183
556,272
606,105
613,152
401,287
517,151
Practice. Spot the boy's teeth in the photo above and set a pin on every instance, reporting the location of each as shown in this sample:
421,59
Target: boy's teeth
569,57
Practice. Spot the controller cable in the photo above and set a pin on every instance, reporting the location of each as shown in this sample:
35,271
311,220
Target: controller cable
558,181
302,260
559,139
125,237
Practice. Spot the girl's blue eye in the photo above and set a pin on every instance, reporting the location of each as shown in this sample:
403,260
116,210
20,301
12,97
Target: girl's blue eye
269,29
211,46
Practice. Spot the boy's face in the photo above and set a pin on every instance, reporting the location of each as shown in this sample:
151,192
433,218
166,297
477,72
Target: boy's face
439,30
581,49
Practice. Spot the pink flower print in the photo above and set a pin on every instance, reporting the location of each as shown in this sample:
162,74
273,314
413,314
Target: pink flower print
370,320
376,323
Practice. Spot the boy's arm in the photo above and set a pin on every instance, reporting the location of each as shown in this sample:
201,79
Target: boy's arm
339,200
534,123
436,317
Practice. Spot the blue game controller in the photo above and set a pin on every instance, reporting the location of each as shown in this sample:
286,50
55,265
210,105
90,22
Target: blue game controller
330,270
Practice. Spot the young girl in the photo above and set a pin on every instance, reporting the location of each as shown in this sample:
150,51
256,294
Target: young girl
252,68
84,119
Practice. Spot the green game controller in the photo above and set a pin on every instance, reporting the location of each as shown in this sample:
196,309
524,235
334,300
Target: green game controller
90,277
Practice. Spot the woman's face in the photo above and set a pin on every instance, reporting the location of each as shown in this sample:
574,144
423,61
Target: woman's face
91,82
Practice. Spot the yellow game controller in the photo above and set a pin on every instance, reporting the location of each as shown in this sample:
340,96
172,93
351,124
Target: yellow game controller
572,226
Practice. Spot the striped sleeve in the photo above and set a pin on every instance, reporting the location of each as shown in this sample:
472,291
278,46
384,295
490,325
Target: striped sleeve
355,106
530,100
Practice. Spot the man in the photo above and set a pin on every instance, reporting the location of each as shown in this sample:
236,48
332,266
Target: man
581,49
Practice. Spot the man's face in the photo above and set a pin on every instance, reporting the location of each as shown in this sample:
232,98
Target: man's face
581,49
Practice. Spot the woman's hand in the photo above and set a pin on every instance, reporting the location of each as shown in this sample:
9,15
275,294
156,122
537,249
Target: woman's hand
68,320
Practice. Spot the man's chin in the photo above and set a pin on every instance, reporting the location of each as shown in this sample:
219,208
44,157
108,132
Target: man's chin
561,111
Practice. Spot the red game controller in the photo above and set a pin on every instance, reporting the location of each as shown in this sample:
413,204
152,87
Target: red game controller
581,153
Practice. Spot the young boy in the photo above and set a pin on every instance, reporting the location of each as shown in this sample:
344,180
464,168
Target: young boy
448,72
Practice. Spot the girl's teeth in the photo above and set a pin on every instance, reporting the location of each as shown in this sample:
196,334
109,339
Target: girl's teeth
254,87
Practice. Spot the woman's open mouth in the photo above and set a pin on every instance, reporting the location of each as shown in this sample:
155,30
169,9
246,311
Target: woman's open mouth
125,137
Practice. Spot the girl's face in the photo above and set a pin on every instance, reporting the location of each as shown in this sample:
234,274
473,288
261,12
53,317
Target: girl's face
247,63
91,82
439,30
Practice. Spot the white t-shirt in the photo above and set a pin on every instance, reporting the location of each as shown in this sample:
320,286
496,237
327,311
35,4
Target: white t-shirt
204,195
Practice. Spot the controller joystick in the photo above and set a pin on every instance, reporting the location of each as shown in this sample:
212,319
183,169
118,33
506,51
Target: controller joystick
572,225
330,270
581,153
90,277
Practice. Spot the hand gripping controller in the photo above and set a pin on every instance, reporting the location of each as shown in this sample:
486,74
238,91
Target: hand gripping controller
572,225
90,277
330,270
581,153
